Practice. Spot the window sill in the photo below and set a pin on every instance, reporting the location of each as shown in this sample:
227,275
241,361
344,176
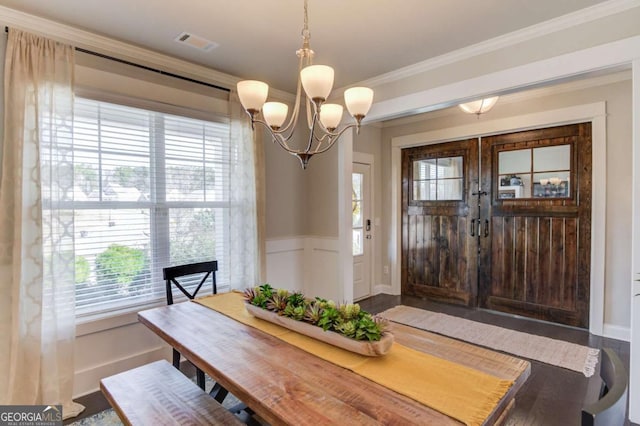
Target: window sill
107,320
95,323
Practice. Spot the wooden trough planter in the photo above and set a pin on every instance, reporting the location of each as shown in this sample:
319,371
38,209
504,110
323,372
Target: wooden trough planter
362,347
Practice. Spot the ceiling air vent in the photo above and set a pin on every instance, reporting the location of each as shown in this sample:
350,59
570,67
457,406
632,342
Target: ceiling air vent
196,42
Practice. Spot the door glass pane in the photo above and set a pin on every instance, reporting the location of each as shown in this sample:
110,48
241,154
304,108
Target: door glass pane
450,167
450,189
552,158
513,162
438,179
357,242
551,185
424,191
357,213
425,169
357,180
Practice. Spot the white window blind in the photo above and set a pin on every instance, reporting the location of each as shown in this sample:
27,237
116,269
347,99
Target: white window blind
151,191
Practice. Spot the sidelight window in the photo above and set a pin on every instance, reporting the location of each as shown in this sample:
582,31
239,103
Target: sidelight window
357,224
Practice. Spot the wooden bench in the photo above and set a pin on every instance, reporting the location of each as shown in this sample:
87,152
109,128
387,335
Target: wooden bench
159,394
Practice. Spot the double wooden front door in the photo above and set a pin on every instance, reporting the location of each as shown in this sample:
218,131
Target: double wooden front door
502,222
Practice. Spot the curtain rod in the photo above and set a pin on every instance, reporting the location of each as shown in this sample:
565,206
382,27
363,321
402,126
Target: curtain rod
144,67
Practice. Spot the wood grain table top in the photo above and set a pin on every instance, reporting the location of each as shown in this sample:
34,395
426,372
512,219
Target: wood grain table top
286,385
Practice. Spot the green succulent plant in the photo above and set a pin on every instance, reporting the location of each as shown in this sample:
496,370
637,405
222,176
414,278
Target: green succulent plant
347,319
297,299
277,303
313,313
348,328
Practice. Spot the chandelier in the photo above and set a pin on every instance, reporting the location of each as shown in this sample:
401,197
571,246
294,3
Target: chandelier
323,118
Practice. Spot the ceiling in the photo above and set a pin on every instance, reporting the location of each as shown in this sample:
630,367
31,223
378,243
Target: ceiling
258,38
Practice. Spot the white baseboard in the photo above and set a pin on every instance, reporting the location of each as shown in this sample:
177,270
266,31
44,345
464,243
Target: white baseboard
384,289
88,381
617,332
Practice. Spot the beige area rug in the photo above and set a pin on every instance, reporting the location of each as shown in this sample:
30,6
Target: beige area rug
582,359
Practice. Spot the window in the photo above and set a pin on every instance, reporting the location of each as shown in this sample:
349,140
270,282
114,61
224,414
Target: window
150,190
438,179
542,172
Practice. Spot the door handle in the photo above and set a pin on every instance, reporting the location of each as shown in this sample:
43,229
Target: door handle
486,228
368,225
473,227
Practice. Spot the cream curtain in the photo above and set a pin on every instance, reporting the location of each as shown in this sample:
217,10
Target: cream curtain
37,323
246,201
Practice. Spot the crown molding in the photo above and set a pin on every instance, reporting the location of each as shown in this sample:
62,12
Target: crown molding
563,22
121,50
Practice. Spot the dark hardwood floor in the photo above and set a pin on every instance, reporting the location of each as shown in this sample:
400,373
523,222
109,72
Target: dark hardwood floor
551,396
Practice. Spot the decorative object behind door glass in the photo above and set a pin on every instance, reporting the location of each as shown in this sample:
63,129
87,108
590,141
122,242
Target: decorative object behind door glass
357,180
514,169
535,172
438,179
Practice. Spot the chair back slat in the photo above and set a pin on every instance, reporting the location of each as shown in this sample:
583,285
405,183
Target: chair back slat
173,273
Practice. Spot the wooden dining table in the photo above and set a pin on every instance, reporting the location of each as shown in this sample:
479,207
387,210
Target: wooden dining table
287,385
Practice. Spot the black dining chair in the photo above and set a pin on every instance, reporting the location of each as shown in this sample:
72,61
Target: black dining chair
606,399
184,277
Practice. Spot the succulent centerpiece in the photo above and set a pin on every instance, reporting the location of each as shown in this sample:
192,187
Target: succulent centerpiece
315,316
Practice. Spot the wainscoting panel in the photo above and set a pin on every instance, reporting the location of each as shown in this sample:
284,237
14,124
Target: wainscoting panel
285,263
321,266
111,351
305,263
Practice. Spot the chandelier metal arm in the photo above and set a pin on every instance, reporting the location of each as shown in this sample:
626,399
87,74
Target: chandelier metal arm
333,137
277,136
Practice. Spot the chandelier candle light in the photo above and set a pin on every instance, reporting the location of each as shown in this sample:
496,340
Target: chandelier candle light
323,119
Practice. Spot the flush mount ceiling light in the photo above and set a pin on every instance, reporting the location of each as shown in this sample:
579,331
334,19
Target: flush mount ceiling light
322,119
479,107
